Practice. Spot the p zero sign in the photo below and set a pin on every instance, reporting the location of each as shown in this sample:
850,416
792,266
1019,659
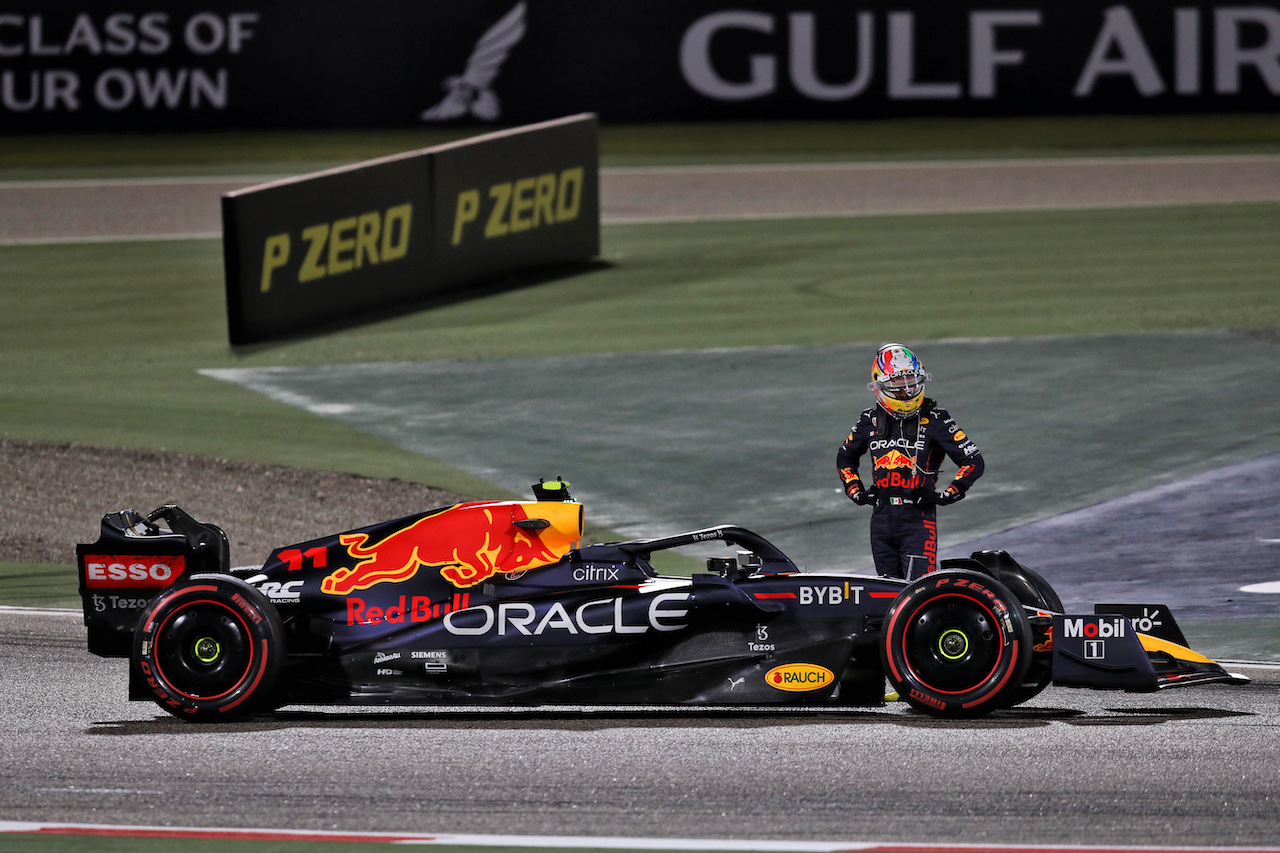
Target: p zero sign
322,248
510,199
308,250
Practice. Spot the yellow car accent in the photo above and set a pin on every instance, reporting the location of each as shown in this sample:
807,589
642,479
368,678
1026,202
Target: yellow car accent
1155,644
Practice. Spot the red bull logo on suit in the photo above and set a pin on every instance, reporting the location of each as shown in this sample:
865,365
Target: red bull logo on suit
890,463
895,459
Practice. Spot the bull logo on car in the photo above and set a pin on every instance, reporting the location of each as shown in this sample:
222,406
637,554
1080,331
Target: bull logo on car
467,543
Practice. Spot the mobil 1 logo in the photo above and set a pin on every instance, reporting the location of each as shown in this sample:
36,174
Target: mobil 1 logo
1154,619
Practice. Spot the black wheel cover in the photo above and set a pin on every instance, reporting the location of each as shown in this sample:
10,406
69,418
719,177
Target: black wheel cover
209,648
955,642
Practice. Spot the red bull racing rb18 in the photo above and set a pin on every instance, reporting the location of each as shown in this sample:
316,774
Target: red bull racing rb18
500,603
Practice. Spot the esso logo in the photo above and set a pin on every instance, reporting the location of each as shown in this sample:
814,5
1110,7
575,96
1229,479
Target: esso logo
121,571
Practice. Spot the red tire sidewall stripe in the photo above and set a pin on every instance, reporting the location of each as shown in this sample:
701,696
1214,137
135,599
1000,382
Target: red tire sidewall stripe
1013,650
165,679
994,620
262,668
891,623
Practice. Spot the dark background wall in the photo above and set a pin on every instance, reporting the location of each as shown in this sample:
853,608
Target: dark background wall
386,63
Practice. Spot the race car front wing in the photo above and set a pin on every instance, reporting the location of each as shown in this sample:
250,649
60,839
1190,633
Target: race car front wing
1105,650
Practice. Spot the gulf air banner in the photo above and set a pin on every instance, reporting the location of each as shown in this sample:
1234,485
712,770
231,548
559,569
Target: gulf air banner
339,245
182,65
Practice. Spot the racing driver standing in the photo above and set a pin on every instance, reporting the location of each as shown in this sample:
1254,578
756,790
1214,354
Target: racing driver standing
906,436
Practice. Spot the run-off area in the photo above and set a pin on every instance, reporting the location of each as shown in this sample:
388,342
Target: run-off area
1123,468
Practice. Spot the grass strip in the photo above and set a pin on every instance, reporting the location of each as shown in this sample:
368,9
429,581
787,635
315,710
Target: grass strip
39,585
103,341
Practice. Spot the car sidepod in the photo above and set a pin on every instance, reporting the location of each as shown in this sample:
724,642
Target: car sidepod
816,637
600,631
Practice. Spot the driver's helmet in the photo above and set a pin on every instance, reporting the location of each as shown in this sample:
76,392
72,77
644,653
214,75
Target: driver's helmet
898,380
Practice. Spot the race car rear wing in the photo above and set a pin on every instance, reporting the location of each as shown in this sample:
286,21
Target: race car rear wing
136,557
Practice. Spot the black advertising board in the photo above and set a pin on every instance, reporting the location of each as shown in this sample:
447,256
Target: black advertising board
404,63
517,200
339,244
309,250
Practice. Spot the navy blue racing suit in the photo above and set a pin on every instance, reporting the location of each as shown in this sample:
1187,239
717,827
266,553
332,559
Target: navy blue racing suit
905,455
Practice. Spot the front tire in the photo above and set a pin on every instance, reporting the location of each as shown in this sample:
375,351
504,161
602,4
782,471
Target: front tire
954,643
209,649
1033,591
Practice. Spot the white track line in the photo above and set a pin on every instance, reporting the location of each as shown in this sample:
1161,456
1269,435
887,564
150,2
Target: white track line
39,611
577,842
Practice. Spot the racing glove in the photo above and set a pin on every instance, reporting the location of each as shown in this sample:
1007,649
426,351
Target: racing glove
858,494
949,496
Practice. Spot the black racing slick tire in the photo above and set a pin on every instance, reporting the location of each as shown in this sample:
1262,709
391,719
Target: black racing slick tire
1033,591
209,649
955,643
1028,585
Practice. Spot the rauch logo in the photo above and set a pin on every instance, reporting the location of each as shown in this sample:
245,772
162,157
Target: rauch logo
799,677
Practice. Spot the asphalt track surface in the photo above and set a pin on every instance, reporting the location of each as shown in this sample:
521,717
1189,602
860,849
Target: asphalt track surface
1192,767
168,208
1196,767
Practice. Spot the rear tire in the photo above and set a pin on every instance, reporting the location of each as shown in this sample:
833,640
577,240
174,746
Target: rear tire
209,649
955,643
1034,590
1028,585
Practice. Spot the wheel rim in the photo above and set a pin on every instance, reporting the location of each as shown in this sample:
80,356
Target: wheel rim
203,650
953,644
206,650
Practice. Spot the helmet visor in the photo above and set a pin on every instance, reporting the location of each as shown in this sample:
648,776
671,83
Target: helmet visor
904,385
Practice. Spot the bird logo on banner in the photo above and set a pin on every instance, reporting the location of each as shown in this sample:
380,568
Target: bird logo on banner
470,92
